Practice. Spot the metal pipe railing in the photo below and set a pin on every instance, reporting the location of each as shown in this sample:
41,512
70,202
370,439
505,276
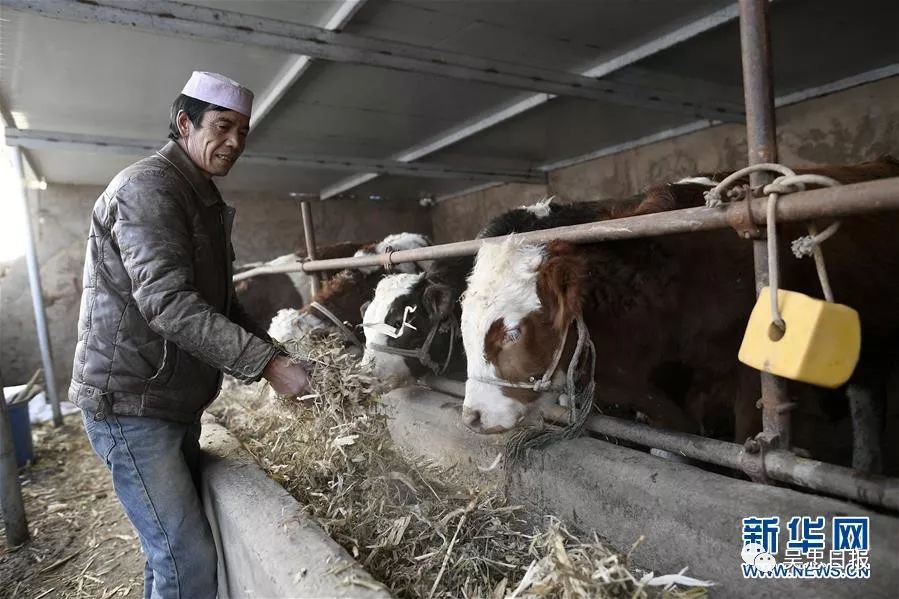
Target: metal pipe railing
779,464
761,139
845,200
309,237
37,296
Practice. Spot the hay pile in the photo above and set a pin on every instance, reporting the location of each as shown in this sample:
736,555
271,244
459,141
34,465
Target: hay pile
412,524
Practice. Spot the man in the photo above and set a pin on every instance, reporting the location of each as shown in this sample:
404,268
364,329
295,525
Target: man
159,324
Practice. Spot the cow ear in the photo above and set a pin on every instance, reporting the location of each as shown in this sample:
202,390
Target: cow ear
562,282
437,300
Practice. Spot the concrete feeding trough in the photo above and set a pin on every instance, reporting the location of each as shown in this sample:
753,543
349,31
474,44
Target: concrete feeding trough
688,516
267,545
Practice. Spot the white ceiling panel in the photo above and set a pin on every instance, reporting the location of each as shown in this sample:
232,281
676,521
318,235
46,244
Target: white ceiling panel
839,40
80,168
559,35
383,110
115,81
105,79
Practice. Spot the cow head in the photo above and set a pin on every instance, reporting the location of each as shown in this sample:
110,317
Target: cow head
386,316
402,315
290,324
520,302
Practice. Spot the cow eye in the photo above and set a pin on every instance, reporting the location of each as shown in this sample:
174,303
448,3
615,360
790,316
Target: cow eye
512,336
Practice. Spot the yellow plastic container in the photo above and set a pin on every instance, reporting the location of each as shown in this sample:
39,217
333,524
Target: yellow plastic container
821,343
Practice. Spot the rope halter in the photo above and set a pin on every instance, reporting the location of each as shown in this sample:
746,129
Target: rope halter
544,383
423,352
344,330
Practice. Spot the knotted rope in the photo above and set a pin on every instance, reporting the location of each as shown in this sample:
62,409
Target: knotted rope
580,400
787,182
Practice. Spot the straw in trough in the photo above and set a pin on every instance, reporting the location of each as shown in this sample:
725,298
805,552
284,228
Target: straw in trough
414,525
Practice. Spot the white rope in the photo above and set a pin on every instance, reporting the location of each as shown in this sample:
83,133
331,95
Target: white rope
714,198
545,382
812,242
809,245
773,265
393,332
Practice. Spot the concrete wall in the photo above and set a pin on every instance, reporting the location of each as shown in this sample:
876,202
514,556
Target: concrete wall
267,226
850,126
61,215
462,218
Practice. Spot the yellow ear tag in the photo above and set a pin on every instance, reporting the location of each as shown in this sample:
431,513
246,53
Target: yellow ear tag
821,343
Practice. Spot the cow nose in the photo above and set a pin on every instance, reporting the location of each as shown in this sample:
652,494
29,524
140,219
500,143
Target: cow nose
471,418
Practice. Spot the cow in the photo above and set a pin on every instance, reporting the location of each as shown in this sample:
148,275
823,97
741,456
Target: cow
412,324
666,316
262,295
338,305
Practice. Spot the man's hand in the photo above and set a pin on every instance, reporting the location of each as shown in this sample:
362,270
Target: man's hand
287,378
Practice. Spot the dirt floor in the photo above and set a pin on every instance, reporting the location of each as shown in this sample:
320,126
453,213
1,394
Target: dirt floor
81,546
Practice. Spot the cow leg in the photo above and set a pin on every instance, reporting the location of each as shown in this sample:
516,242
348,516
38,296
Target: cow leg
866,408
866,392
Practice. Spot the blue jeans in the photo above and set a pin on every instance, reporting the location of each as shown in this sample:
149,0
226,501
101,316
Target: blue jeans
155,472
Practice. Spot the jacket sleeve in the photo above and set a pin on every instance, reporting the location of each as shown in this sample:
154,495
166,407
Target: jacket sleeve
151,231
240,316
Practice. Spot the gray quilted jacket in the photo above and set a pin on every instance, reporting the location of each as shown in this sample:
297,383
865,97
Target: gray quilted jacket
159,321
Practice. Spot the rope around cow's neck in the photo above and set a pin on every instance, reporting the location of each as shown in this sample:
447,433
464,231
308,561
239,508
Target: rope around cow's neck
580,400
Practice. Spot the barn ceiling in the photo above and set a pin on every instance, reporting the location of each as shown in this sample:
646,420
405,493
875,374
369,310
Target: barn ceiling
76,71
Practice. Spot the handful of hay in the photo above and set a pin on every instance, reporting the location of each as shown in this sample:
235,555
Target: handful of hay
413,525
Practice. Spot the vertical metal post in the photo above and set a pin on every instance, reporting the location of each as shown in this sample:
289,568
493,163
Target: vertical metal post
761,139
11,505
37,298
309,235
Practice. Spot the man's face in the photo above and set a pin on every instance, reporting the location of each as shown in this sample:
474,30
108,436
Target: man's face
217,143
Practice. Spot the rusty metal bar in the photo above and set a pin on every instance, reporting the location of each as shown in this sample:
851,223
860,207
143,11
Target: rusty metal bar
780,465
761,139
309,236
845,200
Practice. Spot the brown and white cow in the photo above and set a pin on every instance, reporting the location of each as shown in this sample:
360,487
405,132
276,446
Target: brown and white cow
263,295
412,324
666,316
418,314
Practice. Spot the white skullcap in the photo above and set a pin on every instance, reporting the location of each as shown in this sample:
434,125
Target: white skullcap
219,90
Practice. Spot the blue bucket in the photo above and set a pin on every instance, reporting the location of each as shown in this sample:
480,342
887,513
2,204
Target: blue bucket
21,432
